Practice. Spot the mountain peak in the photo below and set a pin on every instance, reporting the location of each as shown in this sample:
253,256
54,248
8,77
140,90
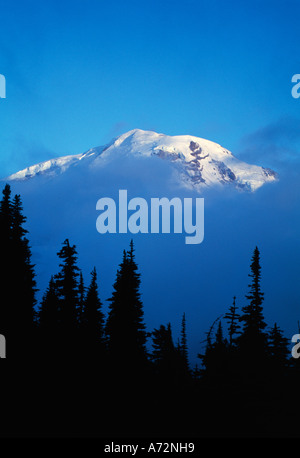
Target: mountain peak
198,162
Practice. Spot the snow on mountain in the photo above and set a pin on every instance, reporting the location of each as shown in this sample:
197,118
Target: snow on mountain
197,163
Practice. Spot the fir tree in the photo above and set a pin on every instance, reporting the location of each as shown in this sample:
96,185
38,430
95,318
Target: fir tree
253,352
18,283
92,322
219,340
48,314
6,283
125,327
23,269
164,352
49,322
220,344
232,318
5,216
183,344
213,345
68,294
253,338
278,347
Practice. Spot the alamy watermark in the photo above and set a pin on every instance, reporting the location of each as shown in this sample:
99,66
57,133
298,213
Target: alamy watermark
2,87
296,87
135,216
296,348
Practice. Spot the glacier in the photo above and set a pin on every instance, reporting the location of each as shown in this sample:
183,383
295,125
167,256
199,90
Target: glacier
196,163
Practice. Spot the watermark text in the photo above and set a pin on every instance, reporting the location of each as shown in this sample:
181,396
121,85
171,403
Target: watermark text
296,87
2,87
296,348
164,216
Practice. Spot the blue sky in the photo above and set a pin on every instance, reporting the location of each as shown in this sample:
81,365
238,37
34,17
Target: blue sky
81,72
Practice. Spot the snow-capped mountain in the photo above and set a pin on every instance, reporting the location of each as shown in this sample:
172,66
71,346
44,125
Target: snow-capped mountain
196,162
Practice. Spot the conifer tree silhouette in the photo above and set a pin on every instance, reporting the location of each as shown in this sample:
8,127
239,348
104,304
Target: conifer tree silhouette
253,338
278,346
215,358
162,343
253,350
125,327
48,313
23,267
18,307
49,322
215,355
209,339
5,216
92,323
219,339
164,354
183,344
6,306
232,318
68,294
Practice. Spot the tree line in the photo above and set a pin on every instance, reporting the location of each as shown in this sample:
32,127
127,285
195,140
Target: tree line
68,326
71,311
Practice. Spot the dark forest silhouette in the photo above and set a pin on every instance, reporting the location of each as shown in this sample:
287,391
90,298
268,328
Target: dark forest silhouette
80,373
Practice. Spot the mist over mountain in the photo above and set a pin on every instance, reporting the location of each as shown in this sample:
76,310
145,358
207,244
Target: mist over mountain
197,163
60,197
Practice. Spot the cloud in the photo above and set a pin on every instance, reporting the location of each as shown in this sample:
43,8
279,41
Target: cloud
274,145
23,153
